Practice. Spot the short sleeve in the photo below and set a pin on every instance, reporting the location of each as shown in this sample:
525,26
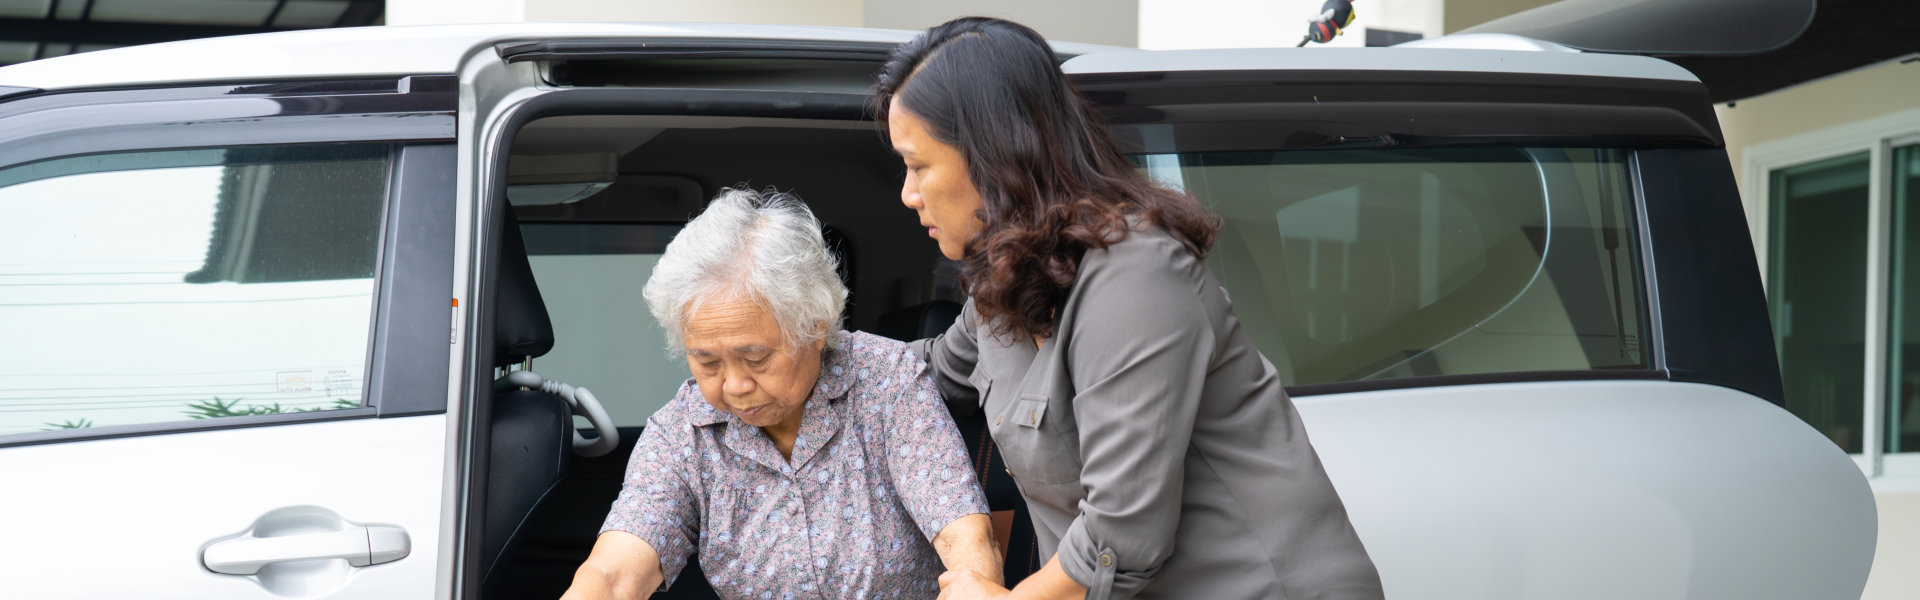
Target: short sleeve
925,455
656,502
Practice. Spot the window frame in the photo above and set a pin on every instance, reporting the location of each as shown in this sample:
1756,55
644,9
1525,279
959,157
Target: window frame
1691,242
1877,137
414,115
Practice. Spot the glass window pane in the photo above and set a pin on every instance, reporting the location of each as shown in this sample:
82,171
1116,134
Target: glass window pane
1816,287
1903,397
24,9
1360,265
188,12
310,13
158,286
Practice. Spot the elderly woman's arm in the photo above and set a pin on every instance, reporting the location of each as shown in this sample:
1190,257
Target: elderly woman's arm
652,527
622,567
967,544
928,463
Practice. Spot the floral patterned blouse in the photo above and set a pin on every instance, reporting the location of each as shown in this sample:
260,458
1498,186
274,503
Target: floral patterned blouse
877,470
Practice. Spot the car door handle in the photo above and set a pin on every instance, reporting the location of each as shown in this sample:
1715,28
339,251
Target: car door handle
360,546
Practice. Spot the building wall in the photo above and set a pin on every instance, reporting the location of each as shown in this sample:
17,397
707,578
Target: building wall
844,13
1844,98
1894,576
446,12
1461,14
1111,22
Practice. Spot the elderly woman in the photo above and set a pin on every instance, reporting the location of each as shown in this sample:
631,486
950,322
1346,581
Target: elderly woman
799,461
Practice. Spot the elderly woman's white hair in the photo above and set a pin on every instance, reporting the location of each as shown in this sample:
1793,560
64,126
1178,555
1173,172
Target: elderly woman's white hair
763,247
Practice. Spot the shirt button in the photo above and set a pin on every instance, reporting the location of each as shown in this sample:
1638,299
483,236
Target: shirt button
1106,560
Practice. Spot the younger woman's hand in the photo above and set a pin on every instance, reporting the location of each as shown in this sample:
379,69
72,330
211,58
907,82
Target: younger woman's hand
965,584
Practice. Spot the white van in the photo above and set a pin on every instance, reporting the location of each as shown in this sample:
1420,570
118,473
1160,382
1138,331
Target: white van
255,293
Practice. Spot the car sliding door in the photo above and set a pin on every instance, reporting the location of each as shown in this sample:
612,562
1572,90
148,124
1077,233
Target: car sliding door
226,328
1514,300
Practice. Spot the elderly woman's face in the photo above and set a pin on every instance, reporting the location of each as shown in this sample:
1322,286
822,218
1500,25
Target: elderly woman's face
744,366
938,186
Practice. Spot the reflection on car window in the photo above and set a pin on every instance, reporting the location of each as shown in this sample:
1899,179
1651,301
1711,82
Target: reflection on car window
163,286
1363,264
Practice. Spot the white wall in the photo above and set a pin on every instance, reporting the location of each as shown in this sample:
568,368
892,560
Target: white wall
1184,24
845,13
1111,22
443,12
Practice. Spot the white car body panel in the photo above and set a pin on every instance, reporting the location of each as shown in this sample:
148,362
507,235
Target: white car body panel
1594,489
1378,59
129,516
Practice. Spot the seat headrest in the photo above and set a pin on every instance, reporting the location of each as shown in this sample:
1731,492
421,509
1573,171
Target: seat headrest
521,327
919,321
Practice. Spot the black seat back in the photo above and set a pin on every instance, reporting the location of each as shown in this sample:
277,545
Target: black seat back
530,432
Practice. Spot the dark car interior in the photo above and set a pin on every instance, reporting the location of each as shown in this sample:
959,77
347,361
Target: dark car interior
634,180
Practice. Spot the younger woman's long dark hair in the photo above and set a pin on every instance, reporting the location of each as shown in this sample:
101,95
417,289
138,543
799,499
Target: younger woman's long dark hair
1053,183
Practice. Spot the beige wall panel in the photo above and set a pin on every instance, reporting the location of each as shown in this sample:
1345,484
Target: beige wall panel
1114,22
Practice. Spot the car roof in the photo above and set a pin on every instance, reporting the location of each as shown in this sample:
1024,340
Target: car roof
364,52
1500,58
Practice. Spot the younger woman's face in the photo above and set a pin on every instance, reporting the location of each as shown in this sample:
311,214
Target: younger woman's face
938,186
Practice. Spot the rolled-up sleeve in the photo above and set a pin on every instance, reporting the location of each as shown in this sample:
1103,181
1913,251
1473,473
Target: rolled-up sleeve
1139,352
950,359
656,503
925,455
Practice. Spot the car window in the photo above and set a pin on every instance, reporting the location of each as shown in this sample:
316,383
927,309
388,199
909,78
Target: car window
605,340
148,287
1361,265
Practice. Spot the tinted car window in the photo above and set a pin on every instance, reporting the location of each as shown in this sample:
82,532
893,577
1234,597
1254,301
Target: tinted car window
157,286
1365,265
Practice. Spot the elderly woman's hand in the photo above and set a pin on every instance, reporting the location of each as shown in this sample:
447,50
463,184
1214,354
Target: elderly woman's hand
965,584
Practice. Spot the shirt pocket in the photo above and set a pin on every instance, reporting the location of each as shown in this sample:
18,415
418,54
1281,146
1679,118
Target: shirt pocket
1038,447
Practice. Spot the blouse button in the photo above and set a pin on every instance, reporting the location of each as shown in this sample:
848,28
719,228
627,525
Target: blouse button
1106,560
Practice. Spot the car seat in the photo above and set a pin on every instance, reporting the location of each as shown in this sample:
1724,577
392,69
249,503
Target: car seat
529,431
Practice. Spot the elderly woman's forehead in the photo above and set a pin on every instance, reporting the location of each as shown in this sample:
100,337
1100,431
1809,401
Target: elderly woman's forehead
730,318
743,349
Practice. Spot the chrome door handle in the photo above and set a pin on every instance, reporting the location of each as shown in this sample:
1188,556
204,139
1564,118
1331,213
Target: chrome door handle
360,546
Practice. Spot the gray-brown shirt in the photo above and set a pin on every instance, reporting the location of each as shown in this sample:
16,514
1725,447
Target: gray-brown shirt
1154,445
